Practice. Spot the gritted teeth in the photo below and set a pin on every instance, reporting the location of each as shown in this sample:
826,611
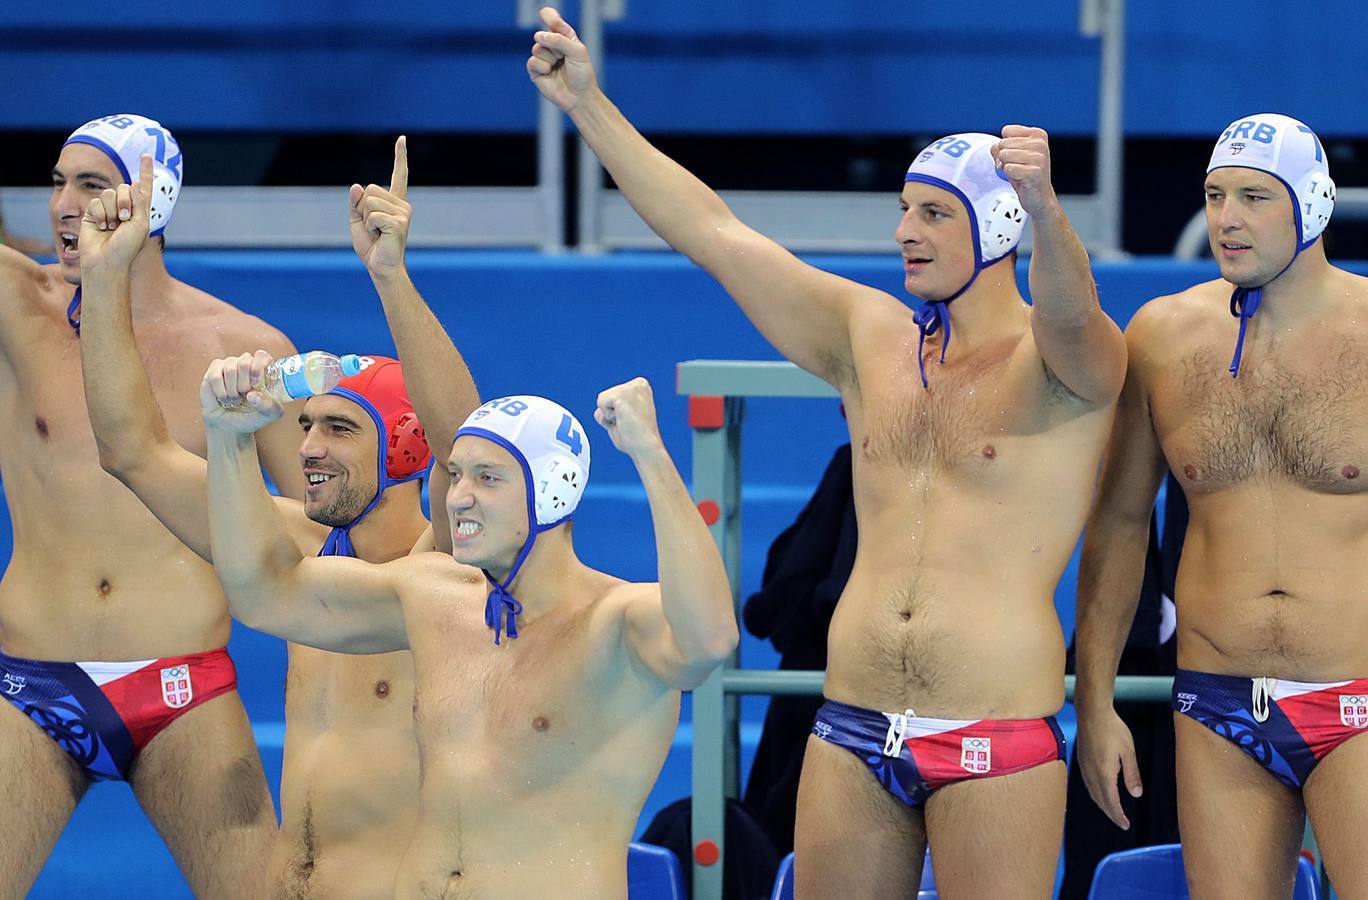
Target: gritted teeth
319,478
468,527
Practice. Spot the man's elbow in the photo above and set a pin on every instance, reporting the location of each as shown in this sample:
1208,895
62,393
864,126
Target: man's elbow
712,649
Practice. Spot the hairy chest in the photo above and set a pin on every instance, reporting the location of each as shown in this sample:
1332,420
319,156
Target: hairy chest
1305,420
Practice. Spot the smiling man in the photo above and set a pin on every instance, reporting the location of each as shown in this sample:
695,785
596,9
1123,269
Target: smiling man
1263,419
112,631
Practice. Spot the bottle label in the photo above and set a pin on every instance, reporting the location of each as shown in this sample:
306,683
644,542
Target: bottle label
293,377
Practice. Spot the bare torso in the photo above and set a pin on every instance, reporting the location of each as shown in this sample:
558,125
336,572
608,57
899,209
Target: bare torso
1274,575
970,499
537,755
94,575
349,782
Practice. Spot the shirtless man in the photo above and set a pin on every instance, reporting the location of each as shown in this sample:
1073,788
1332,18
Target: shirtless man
1272,628
972,479
539,746
94,576
349,786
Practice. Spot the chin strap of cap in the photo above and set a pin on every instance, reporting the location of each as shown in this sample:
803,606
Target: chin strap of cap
501,607
931,318
74,311
1244,303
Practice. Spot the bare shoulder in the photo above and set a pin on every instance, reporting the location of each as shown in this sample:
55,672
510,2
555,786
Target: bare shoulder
1167,325
236,331
882,322
435,576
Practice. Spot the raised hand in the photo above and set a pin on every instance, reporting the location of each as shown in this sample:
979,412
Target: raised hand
380,218
628,413
1023,154
229,395
559,65
115,224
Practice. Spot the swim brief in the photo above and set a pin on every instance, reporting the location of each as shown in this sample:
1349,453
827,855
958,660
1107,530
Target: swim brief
104,713
912,757
1286,726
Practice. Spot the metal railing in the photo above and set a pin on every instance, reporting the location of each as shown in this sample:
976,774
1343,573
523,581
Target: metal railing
858,222
297,217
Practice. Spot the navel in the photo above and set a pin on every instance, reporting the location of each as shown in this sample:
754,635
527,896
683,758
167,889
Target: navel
541,723
1190,471
105,587
41,424
1350,472
382,689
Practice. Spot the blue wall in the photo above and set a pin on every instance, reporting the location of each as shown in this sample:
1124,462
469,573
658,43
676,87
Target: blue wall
838,66
568,327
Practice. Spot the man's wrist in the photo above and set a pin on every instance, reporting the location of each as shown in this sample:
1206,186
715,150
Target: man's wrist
390,276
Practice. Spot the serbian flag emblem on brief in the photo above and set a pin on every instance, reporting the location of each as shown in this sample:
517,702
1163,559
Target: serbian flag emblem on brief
976,754
1354,710
176,689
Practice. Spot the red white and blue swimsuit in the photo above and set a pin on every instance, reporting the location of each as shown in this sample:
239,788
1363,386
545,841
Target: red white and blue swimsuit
1286,726
912,757
104,713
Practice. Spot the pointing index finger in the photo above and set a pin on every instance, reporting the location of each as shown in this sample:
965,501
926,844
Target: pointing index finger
145,181
399,180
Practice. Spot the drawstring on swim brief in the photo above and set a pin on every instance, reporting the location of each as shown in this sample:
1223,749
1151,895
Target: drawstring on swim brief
1263,693
897,730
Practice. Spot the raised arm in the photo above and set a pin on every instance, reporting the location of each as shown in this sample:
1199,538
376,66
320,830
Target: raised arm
804,312
130,430
333,603
1078,342
1109,580
685,626
436,375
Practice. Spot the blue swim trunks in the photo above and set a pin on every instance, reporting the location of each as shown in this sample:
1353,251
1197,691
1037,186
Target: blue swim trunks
1286,726
102,714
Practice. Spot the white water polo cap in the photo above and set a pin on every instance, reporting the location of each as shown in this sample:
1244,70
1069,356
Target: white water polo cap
125,139
1290,152
963,165
553,451
549,444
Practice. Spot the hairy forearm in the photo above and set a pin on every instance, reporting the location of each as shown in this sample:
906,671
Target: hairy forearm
436,375
695,595
123,410
1110,575
1062,287
252,548
678,206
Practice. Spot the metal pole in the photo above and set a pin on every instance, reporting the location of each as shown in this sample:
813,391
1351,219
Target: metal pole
590,177
551,175
1110,130
716,490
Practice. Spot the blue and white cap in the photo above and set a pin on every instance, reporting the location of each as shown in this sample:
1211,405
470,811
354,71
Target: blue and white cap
125,139
963,164
552,449
1289,151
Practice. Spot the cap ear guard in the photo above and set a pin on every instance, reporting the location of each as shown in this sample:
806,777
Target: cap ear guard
1318,203
558,487
406,452
164,194
1003,223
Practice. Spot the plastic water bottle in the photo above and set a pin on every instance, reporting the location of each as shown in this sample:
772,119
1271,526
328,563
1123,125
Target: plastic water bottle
305,375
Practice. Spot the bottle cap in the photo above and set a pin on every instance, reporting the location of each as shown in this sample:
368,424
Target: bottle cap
351,364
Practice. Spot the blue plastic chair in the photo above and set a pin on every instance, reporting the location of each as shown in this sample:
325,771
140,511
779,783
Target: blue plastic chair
1156,873
653,874
783,881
